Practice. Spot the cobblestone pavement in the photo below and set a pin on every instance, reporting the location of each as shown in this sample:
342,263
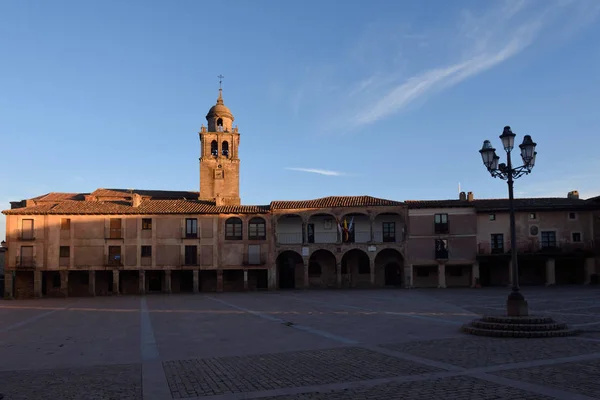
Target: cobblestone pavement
368,344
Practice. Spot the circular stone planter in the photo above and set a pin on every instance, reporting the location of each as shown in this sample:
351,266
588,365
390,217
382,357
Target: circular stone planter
518,327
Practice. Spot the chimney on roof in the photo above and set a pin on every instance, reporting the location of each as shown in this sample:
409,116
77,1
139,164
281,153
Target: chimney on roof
137,200
573,195
462,196
470,196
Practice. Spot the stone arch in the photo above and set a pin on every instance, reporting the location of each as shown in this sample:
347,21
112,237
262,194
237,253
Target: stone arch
290,269
389,268
289,229
356,227
225,148
234,228
324,262
356,268
322,228
214,148
389,227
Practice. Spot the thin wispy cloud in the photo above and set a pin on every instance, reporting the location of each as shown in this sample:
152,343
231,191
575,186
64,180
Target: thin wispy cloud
317,171
389,70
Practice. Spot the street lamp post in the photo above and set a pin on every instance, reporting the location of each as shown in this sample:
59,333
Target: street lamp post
516,305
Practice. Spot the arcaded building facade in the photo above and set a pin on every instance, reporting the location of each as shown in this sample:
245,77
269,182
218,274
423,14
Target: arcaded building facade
117,241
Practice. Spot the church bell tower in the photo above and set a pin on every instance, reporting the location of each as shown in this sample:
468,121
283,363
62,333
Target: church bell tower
219,162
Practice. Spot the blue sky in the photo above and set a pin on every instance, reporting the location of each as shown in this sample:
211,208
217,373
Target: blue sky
387,98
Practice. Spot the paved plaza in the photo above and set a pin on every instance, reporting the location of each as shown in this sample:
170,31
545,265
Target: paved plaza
338,344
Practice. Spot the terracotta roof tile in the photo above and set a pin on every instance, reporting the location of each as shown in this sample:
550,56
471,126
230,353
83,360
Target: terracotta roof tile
57,196
523,204
175,207
243,209
334,201
37,209
164,194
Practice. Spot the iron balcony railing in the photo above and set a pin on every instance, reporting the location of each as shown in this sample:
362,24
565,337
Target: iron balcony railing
534,246
113,233
254,259
27,234
25,262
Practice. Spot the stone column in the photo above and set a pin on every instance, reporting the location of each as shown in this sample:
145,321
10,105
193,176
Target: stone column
64,283
245,279
306,278
37,284
196,280
8,285
590,269
408,276
550,272
219,280
475,275
142,282
339,274
441,275
510,274
116,282
167,283
272,277
92,283
372,270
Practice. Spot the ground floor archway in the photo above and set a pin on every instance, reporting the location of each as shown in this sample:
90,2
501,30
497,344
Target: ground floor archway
290,269
389,268
356,269
321,269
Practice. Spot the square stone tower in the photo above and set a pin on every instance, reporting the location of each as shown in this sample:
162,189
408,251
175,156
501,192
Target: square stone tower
219,162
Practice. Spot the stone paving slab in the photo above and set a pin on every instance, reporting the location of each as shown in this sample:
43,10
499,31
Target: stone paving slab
207,377
455,388
475,351
580,377
122,382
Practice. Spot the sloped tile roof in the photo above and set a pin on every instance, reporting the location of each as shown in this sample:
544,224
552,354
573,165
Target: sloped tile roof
242,209
163,194
523,204
57,196
334,201
438,203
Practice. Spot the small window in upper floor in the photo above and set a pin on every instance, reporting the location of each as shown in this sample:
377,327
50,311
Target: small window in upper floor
27,229
441,249
441,223
257,229
146,251
572,215
389,232
576,237
64,251
492,217
191,227
532,215
65,224
233,229
548,239
146,223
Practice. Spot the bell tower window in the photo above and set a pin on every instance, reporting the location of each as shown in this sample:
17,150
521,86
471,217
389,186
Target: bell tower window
220,125
214,148
225,148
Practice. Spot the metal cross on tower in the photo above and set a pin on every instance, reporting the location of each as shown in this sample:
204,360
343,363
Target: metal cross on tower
220,80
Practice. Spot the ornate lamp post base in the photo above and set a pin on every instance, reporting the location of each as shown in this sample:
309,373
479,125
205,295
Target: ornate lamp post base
517,307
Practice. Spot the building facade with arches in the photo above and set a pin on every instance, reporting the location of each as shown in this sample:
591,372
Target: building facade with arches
128,241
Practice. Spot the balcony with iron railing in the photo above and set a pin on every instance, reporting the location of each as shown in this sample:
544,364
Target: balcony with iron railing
26,235
113,233
25,262
336,238
254,259
189,233
534,247
114,261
